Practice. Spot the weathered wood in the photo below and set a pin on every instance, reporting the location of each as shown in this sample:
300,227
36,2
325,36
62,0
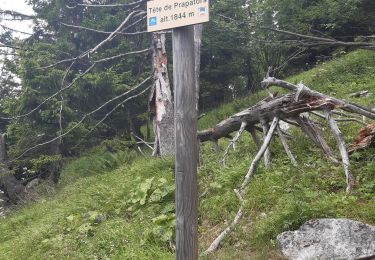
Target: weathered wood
198,29
215,244
160,102
347,106
267,153
286,146
315,134
186,144
260,153
3,149
342,147
285,107
233,142
256,140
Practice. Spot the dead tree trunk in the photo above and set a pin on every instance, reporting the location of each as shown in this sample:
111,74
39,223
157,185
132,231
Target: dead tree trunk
3,149
160,102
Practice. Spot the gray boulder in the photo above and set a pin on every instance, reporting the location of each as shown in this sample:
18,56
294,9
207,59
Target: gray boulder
334,239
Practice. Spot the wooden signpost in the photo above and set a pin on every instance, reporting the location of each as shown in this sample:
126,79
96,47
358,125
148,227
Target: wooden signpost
181,15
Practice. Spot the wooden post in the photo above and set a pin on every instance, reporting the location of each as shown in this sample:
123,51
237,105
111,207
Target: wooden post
186,144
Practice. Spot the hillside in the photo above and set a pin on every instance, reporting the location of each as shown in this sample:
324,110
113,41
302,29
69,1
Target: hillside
120,205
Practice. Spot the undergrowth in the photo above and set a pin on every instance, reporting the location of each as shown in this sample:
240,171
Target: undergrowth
118,204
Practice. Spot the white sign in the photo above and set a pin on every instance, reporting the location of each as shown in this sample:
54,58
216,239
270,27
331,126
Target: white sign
167,14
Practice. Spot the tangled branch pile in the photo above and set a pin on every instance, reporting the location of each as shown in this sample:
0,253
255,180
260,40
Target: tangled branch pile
293,108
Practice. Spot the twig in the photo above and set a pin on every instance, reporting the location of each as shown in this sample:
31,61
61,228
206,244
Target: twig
340,119
143,141
233,142
226,231
113,34
108,5
100,31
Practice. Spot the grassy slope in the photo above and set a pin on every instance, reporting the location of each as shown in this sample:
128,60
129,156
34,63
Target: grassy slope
121,206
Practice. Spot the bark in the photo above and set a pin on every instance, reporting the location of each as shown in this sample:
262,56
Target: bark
160,102
3,149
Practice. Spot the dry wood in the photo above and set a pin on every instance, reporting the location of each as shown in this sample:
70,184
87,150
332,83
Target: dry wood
267,153
347,106
315,134
233,142
3,149
289,108
260,153
214,245
239,192
286,146
254,136
160,101
186,144
342,147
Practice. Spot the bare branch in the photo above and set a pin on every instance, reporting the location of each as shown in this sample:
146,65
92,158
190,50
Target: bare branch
87,115
260,153
143,141
226,231
112,35
286,146
347,106
109,5
344,154
14,30
117,106
233,142
52,96
102,32
15,16
267,153
122,55
73,82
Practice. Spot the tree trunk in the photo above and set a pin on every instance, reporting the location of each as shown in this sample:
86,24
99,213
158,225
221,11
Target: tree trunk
3,149
160,102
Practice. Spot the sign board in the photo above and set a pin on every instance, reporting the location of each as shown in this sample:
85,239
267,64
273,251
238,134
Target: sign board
167,14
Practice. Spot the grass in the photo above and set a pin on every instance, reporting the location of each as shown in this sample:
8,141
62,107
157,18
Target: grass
120,205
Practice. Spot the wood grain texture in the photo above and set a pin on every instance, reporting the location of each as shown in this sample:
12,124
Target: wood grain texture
186,143
160,101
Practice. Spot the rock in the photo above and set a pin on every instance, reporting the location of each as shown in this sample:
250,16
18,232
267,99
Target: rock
334,239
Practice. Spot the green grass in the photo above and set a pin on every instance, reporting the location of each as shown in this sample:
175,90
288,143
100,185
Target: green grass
120,205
